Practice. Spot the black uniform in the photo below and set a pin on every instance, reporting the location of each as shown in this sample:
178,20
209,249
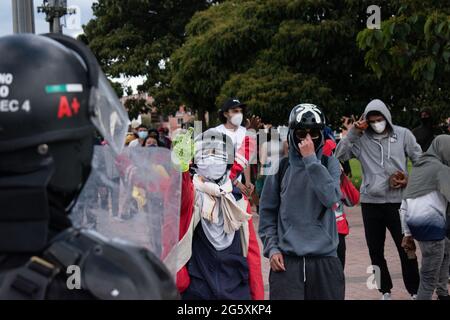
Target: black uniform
56,98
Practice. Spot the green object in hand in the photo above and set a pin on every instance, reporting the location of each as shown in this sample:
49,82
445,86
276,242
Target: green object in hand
183,149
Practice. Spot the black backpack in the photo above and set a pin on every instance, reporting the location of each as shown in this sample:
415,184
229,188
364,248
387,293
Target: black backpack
284,164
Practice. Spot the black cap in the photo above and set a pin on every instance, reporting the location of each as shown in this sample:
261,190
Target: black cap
230,103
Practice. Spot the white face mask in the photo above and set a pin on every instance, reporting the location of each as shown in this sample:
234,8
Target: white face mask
236,120
379,127
211,168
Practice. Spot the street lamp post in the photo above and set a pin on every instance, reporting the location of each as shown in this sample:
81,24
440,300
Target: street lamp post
23,16
54,10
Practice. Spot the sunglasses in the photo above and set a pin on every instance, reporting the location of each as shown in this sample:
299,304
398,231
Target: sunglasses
302,133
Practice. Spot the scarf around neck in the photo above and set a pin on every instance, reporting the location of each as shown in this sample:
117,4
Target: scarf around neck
218,199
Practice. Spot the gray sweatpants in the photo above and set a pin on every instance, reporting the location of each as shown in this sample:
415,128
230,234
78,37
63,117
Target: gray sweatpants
434,270
308,278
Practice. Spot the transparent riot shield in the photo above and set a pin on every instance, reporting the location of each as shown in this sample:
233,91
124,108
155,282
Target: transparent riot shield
134,197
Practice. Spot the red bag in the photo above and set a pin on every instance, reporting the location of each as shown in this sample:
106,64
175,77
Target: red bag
349,193
350,197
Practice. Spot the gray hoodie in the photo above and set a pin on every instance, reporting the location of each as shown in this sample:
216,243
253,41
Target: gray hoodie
289,215
380,158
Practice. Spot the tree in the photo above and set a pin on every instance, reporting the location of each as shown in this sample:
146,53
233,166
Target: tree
136,107
135,37
274,55
118,89
412,52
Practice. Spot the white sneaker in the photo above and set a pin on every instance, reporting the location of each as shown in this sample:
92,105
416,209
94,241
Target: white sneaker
386,296
414,297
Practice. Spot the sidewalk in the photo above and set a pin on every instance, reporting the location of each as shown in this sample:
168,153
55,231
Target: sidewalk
358,261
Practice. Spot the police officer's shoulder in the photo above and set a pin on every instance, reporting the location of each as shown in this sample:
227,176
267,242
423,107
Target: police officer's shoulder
81,264
112,269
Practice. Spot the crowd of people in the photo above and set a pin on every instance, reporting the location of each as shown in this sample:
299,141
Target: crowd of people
141,136
302,190
296,179
304,233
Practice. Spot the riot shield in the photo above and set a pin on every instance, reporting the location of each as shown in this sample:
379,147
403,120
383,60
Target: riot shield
134,197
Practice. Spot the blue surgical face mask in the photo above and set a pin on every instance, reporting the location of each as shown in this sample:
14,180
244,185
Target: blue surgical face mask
142,134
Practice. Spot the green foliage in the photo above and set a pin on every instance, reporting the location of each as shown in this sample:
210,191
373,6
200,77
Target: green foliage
272,92
355,166
274,55
412,50
132,37
117,88
136,107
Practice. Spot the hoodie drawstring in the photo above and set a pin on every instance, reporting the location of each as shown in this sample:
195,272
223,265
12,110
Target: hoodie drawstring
382,152
389,147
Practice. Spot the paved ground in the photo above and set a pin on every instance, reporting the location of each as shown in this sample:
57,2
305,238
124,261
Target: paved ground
358,261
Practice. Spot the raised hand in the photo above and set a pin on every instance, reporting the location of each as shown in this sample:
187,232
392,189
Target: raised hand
361,125
254,123
307,147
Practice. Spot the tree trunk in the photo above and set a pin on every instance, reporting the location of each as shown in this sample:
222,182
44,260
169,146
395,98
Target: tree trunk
213,118
201,117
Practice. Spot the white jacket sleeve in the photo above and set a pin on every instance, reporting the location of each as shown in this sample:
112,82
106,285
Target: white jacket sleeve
403,210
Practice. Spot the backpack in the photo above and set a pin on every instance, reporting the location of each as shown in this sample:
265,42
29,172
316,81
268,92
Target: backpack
284,164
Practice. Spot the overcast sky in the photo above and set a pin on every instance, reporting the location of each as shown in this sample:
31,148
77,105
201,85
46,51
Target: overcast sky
73,24
6,26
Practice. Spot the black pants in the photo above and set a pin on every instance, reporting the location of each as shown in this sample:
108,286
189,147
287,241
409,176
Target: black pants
341,250
378,217
321,278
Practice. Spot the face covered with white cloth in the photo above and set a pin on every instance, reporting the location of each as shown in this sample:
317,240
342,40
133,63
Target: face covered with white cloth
221,214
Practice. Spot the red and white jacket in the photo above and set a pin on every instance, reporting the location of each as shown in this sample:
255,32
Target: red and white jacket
244,156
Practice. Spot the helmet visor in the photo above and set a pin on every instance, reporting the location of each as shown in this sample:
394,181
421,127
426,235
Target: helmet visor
109,116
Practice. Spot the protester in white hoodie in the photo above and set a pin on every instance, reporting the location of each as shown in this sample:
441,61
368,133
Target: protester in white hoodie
425,213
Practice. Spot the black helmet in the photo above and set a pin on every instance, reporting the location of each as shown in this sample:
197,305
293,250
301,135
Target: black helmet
213,143
53,96
305,116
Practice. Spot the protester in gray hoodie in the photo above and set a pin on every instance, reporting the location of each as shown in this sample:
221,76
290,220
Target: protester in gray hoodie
382,149
297,225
